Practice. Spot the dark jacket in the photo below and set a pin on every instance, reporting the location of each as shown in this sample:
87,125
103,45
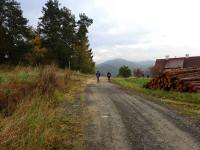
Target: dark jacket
108,74
98,74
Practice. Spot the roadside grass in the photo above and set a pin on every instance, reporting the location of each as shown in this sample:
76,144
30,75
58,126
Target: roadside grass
187,103
49,116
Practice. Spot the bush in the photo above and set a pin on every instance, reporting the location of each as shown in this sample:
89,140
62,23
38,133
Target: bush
138,72
124,71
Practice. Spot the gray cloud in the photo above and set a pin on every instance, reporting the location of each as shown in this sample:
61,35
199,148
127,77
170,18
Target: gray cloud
102,38
132,30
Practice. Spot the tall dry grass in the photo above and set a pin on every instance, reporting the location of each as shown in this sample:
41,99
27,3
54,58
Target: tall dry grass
15,85
48,80
44,116
12,93
19,86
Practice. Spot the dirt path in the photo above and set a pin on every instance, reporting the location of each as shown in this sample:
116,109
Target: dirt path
120,120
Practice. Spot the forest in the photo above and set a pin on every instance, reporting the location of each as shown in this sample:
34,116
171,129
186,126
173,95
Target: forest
59,38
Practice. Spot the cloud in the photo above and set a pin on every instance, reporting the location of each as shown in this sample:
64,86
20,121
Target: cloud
135,29
140,52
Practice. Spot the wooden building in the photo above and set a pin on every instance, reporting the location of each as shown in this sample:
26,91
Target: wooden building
162,65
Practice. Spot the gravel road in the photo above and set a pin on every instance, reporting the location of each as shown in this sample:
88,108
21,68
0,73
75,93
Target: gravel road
123,120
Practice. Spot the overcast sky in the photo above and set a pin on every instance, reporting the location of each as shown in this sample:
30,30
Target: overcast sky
134,29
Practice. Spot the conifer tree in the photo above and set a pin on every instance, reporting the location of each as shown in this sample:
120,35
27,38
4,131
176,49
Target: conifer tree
15,37
57,28
68,29
59,39
3,39
49,29
83,51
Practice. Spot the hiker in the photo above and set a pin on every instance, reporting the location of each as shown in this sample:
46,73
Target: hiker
98,75
109,76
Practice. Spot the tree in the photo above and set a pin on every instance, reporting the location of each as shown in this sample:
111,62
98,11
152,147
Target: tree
49,28
15,37
124,71
3,39
68,29
58,31
39,52
84,56
138,72
66,39
57,27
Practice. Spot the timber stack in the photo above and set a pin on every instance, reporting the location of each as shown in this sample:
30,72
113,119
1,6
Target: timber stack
182,80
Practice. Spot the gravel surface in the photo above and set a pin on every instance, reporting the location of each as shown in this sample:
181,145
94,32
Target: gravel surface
121,120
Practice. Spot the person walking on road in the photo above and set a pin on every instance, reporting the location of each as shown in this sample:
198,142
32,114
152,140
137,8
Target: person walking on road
109,76
98,76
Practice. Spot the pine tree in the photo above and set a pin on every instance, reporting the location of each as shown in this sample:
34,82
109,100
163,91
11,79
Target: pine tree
49,28
15,37
83,52
57,28
3,39
124,71
68,29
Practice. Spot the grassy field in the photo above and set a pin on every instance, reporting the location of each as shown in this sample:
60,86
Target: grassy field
40,109
187,102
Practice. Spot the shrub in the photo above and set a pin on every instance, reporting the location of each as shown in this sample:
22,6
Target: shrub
138,72
124,71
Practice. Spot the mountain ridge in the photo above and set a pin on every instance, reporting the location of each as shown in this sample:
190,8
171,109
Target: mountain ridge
114,65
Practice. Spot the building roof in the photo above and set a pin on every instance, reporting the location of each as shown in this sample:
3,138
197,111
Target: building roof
174,63
192,62
181,62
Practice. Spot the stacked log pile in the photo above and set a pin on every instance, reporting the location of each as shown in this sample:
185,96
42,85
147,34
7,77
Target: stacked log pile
182,80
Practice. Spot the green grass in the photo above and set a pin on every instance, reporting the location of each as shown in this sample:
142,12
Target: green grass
137,85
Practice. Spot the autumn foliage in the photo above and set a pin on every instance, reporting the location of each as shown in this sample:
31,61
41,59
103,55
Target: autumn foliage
138,72
38,55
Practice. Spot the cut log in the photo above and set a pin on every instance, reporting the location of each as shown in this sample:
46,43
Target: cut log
182,80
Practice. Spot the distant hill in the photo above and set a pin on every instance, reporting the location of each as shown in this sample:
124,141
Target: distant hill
114,65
